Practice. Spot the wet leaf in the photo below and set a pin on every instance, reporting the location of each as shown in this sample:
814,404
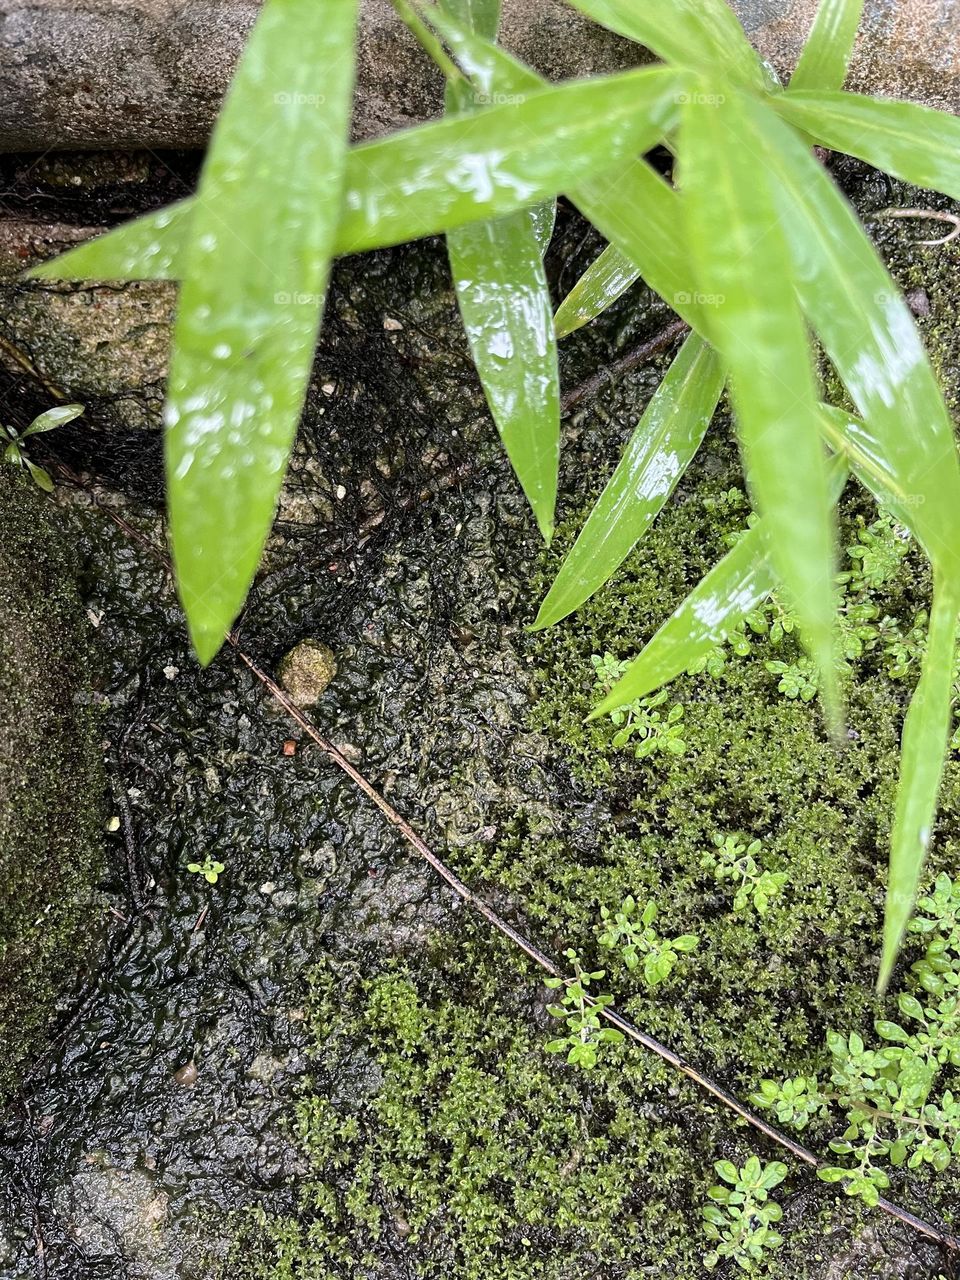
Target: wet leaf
701,34
255,270
505,305
481,16
869,334
916,144
751,314
925,733
52,418
719,603
662,446
438,176
600,285
826,52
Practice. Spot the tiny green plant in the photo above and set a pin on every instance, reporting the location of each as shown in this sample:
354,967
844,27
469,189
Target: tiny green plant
14,452
209,868
731,859
741,1218
797,679
580,1012
632,933
894,1113
642,724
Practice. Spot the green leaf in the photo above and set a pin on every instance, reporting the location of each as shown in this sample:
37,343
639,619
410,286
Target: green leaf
505,305
481,16
869,334
255,271
600,285
916,144
826,54
55,417
702,34
740,253
439,176
924,745
729,592
665,440
40,477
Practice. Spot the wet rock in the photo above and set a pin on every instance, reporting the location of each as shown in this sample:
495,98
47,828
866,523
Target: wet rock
117,1213
306,671
152,73
50,771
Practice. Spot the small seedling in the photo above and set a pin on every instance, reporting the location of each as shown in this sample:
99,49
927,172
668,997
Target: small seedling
797,679
581,1015
733,860
641,723
14,452
639,943
740,1216
210,869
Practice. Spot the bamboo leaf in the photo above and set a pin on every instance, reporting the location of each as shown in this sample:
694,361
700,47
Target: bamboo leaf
439,176
870,336
50,419
701,34
739,252
717,605
505,305
600,285
916,144
256,265
662,446
826,54
924,746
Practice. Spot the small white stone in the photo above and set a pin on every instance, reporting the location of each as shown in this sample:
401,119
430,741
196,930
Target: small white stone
391,325
341,492
170,671
268,887
328,388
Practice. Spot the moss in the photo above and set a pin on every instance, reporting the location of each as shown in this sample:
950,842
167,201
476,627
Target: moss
50,773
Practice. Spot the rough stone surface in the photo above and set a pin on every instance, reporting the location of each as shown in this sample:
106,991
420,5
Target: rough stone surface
133,73
306,671
50,781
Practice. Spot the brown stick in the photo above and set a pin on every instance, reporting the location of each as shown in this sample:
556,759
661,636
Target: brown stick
635,356
466,894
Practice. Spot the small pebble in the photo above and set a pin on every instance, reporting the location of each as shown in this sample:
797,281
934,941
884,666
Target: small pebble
186,1076
306,671
290,747
391,325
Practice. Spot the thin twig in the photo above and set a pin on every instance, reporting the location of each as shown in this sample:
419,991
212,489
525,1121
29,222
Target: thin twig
636,355
933,215
467,895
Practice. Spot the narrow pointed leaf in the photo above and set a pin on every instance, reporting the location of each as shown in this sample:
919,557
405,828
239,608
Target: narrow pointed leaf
916,144
661,448
826,54
505,305
701,34
52,418
255,271
924,746
869,334
438,176
717,605
755,322
601,284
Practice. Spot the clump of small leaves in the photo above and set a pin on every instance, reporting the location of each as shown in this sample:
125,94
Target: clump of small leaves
877,554
797,679
731,859
632,933
641,723
886,1093
209,868
580,1013
14,451
741,1216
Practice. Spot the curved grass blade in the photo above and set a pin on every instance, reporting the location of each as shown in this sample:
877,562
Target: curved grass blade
505,306
256,266
701,34
719,603
601,284
438,176
754,320
826,53
869,334
660,450
916,144
925,732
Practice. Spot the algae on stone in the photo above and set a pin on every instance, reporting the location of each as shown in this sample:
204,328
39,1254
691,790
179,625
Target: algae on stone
50,773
